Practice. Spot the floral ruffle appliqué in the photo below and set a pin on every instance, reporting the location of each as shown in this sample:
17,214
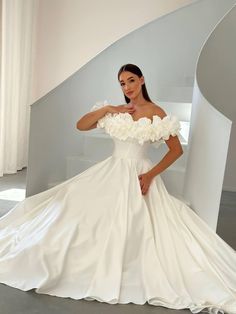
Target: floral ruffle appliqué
122,126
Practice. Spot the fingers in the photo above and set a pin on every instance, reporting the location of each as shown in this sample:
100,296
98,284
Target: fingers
131,111
122,109
141,183
144,186
144,190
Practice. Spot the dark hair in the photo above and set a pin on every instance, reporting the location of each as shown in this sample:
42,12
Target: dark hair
136,70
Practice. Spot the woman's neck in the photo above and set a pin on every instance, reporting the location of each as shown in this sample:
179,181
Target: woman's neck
139,101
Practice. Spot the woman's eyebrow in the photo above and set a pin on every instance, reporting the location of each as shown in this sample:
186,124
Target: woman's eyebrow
127,78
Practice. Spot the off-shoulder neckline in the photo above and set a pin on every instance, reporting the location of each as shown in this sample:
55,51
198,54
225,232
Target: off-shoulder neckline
145,118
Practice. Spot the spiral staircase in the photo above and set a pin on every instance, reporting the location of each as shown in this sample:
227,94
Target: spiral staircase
58,151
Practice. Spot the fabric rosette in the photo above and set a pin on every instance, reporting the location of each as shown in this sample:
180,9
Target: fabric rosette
170,126
122,126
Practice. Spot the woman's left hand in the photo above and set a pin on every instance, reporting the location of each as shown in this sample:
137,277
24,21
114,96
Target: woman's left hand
145,180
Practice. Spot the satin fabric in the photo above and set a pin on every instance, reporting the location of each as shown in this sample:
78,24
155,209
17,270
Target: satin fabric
95,236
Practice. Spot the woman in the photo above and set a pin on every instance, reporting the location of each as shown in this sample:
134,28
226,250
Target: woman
139,105
113,233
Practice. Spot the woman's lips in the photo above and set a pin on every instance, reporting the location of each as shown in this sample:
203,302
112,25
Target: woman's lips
129,93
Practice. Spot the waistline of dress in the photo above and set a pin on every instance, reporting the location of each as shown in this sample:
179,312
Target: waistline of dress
130,155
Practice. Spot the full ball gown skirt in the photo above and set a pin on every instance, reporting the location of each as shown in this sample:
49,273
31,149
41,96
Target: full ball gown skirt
95,236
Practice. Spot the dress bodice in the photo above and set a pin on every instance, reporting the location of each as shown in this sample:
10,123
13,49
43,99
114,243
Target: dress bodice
130,149
122,126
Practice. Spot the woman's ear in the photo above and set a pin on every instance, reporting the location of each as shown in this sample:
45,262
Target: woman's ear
142,80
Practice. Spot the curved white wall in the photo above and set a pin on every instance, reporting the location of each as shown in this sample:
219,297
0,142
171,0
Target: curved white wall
216,75
70,33
213,110
209,140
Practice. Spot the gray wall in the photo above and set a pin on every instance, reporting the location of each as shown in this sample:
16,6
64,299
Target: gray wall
216,75
166,50
209,140
211,120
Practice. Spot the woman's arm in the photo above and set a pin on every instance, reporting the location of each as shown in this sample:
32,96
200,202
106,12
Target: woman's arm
90,119
175,151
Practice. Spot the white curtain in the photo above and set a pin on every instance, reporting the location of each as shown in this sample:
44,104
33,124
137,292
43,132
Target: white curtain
17,39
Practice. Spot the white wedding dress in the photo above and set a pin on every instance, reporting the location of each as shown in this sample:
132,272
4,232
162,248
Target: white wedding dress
95,236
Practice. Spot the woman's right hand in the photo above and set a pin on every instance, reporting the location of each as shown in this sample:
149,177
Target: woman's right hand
89,120
121,109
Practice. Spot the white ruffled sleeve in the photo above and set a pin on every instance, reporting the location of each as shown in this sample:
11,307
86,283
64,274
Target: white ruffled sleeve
165,127
170,126
102,121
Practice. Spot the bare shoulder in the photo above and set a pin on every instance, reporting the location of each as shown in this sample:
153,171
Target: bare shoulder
157,110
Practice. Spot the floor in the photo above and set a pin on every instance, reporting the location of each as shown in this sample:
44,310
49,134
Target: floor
12,188
14,301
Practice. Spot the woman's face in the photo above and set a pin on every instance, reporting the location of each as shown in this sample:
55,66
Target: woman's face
131,84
